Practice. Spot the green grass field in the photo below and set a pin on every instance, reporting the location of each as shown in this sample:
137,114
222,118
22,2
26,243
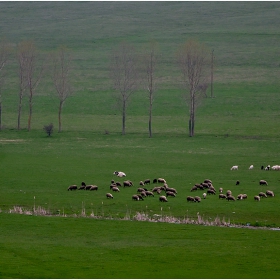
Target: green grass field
240,126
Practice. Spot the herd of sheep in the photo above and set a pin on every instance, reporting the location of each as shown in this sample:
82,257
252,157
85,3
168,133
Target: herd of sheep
164,191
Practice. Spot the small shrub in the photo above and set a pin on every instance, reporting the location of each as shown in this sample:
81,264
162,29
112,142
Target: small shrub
48,129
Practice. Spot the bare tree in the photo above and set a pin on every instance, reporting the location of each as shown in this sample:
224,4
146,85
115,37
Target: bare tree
4,50
61,78
22,62
150,61
33,75
192,58
124,75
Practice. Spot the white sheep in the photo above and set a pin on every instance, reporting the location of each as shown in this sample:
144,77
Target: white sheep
119,173
234,167
256,197
204,195
275,167
251,166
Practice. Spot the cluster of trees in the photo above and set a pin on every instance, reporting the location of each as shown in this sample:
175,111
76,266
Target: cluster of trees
30,73
192,57
193,60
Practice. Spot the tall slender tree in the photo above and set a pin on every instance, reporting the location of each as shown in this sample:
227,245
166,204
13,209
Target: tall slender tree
194,63
4,51
61,79
33,76
22,52
124,76
150,61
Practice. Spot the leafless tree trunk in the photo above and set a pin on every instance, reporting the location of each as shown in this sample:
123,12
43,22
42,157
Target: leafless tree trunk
193,63
150,66
61,79
33,75
4,50
22,61
124,75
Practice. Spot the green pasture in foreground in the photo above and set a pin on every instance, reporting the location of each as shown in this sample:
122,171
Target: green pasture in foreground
240,126
56,247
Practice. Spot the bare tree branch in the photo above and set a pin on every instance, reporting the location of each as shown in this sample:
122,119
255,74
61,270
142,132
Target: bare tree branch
4,51
61,78
193,62
124,76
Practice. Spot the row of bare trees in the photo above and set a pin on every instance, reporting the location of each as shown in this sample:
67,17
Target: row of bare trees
30,72
192,58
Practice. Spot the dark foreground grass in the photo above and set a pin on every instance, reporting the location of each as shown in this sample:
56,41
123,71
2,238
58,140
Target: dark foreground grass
56,247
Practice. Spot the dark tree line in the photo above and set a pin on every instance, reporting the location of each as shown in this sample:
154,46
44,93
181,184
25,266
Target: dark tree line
129,71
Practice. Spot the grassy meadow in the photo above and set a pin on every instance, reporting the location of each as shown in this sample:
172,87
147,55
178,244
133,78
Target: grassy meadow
240,126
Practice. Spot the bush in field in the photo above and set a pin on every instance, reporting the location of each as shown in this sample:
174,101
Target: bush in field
48,129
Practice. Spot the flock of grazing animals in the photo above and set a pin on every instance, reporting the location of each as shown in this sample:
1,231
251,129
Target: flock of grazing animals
206,186
141,191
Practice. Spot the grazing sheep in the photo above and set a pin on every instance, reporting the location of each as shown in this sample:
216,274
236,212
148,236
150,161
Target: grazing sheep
87,188
147,181
159,191
155,189
168,193
119,173
211,192
140,197
204,195
251,166
221,195
197,199
220,190
262,194
148,193
171,190
194,188
190,198
269,193
113,185
237,183
231,197
83,185
139,190
205,185
228,193
212,188
240,197
115,189
141,183
108,195
256,197
155,181
135,197
235,167
275,167
161,180
263,182
127,183
163,198
244,196
94,188
207,181
267,168
71,188
118,184
143,194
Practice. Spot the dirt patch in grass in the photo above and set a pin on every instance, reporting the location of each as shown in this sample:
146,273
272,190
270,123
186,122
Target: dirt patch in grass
6,141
